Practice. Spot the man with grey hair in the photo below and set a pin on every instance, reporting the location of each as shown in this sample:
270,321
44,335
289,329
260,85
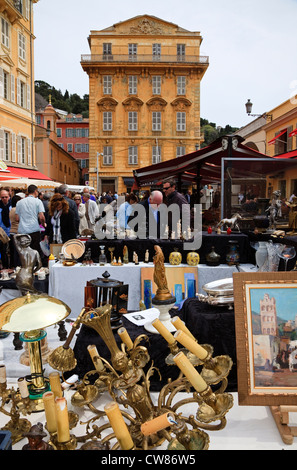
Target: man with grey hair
63,189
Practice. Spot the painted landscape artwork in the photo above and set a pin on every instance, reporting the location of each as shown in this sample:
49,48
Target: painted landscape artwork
272,331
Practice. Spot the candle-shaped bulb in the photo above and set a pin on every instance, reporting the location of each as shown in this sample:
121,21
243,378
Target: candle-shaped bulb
62,420
2,373
163,331
124,335
50,411
55,384
157,424
180,325
190,372
118,425
191,345
23,387
95,357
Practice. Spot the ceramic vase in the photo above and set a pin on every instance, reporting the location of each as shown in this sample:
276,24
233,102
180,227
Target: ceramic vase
175,258
261,254
232,257
193,258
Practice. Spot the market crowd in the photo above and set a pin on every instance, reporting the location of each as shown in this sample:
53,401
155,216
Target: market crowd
62,215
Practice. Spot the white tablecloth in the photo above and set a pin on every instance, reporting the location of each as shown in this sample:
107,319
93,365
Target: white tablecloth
247,428
67,283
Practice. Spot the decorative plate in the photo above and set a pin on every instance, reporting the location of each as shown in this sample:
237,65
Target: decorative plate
73,249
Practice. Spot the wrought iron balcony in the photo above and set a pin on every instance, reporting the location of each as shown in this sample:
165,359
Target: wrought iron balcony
143,58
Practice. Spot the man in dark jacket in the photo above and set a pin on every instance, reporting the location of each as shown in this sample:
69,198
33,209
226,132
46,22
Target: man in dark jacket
151,205
172,196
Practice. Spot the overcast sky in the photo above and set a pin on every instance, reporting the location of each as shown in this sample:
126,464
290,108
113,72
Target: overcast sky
251,47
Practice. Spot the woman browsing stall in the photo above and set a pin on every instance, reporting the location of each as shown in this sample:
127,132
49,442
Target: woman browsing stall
60,225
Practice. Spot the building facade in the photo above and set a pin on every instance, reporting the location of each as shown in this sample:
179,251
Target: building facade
144,97
73,136
17,108
52,160
276,136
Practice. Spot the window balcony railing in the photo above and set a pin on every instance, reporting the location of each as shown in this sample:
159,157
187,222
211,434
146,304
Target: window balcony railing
143,58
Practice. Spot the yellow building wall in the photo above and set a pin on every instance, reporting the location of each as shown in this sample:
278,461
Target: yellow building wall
143,31
17,103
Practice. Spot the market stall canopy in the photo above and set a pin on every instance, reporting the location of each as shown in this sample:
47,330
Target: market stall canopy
23,177
206,165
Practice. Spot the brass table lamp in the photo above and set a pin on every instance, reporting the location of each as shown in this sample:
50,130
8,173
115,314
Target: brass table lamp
29,315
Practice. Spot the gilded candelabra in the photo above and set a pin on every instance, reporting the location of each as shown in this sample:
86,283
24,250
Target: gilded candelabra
129,386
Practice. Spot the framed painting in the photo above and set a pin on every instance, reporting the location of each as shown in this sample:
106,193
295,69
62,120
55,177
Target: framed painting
265,308
55,249
182,281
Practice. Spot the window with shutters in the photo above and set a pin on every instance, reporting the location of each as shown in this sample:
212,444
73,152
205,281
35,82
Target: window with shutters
107,85
69,132
69,147
133,155
107,155
132,48
181,52
5,33
132,84
6,85
156,154
107,121
107,50
156,82
22,46
181,85
180,121
156,51
133,121
23,94
6,146
21,149
156,121
180,151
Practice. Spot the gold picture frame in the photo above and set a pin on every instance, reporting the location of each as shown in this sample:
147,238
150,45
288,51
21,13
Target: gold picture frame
55,249
265,309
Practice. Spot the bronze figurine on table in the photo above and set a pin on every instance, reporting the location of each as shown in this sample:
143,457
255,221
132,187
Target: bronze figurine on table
30,262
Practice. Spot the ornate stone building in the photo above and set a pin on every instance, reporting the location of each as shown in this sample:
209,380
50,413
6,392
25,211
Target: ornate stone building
144,87
17,104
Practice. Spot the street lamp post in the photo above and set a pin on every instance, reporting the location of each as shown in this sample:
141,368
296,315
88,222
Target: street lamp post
98,155
248,107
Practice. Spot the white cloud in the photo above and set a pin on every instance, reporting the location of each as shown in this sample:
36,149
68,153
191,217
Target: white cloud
251,47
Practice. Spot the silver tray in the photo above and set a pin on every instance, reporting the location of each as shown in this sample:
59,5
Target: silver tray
220,288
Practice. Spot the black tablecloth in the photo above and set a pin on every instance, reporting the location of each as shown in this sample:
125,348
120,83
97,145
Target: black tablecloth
210,325
40,285
220,243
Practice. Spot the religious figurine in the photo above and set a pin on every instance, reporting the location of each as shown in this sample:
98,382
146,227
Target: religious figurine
125,255
146,256
160,280
293,214
35,435
274,210
178,229
30,262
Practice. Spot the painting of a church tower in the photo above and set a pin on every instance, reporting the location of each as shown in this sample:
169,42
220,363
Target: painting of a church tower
274,336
